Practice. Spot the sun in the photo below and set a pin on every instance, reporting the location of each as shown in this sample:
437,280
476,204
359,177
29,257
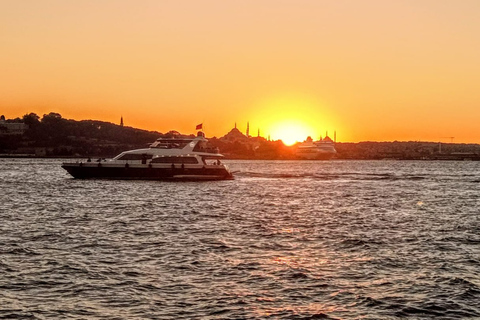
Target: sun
291,116
290,132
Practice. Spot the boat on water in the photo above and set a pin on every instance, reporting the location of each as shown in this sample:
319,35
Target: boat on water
322,149
172,158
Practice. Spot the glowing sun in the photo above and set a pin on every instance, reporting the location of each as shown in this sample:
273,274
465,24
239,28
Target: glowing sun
290,132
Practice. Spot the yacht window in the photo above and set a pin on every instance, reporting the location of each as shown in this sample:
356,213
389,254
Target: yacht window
175,160
136,156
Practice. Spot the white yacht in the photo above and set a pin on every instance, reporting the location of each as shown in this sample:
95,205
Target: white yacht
174,158
322,149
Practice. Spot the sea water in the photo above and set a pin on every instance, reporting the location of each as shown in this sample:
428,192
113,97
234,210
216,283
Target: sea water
284,240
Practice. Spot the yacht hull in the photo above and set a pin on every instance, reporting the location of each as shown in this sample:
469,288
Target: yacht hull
145,172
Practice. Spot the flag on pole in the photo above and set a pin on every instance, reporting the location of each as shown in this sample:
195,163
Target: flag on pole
199,126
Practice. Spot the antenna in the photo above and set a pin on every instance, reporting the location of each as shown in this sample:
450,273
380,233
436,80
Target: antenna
440,143
451,138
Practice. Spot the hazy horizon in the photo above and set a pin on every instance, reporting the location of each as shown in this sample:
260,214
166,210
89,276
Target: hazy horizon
193,131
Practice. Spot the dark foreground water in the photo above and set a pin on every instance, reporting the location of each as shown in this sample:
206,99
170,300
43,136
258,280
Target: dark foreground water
284,240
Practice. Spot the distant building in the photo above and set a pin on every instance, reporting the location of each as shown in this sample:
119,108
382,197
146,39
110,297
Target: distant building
248,142
121,121
235,135
12,128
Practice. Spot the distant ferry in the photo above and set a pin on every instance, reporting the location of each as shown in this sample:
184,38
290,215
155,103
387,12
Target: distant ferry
175,158
322,149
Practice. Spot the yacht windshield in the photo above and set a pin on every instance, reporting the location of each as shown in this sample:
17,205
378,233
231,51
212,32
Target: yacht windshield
204,146
170,143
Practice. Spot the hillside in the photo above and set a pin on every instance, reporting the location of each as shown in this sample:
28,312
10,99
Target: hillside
53,135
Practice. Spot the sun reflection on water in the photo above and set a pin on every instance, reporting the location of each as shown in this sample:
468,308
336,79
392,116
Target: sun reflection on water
313,309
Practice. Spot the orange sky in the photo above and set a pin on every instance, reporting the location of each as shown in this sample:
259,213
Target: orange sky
371,70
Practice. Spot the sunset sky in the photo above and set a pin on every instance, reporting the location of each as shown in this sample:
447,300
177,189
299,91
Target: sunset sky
375,70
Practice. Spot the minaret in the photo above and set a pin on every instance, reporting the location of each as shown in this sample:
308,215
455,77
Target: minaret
258,134
235,125
121,121
248,129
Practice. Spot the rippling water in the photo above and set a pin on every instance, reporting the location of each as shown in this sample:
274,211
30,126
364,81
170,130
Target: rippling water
284,240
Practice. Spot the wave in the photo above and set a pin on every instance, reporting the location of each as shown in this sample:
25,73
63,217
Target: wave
328,176
17,250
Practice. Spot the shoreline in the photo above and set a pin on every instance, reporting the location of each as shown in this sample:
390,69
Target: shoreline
443,157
